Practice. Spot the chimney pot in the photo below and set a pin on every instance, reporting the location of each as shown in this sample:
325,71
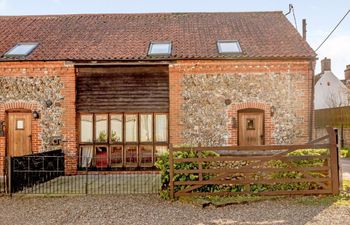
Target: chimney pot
325,65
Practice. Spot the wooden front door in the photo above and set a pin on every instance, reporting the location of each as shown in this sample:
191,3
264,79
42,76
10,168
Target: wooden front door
251,128
19,135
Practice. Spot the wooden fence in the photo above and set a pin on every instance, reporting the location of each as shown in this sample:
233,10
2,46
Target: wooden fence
261,170
332,117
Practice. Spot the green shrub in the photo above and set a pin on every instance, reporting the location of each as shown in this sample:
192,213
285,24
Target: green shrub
345,152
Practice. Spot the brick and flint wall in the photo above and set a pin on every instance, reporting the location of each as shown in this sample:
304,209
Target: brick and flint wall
201,90
29,85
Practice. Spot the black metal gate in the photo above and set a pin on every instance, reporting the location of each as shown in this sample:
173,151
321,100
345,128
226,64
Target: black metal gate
27,171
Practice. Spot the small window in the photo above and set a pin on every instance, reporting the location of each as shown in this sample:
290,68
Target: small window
226,47
250,124
21,50
160,48
20,124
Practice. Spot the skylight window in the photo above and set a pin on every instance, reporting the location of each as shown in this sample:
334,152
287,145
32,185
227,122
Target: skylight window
227,47
160,48
21,50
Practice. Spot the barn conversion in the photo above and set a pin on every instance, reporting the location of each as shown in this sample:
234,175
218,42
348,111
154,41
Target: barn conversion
113,91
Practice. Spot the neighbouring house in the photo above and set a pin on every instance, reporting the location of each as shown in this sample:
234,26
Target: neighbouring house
330,92
122,87
332,105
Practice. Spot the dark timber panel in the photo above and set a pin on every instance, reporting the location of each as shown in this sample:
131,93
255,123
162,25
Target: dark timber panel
123,89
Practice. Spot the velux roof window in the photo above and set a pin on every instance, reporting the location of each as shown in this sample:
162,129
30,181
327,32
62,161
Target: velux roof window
229,47
21,49
159,48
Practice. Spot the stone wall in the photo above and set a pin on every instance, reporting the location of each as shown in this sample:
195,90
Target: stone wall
205,95
37,91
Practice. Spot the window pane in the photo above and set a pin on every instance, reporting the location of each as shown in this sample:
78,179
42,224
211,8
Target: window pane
229,47
86,154
146,124
160,48
86,128
21,49
101,157
161,128
131,155
116,156
160,150
146,154
131,128
116,128
101,128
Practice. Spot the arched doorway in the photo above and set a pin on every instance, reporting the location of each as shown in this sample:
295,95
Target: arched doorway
251,127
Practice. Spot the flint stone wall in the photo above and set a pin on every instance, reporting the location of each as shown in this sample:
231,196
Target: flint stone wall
38,90
205,116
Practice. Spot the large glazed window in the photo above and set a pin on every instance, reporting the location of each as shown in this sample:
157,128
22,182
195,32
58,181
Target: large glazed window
115,140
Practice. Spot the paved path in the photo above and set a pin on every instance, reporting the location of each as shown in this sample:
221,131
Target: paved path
345,164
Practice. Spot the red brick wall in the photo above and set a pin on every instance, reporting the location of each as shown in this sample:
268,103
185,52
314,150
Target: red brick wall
181,68
39,69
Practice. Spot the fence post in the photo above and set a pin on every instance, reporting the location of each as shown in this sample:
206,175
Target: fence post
171,171
200,165
9,176
86,179
334,162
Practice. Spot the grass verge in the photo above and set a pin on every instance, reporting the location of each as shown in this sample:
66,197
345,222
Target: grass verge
221,201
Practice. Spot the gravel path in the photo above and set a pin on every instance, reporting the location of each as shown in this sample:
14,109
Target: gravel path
150,209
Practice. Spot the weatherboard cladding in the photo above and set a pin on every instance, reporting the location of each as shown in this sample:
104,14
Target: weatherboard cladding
123,89
127,36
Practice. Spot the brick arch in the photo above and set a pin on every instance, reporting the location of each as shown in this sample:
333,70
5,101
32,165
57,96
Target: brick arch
20,105
36,129
268,122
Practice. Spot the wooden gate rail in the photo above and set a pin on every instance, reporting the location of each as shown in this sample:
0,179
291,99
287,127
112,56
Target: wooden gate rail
327,181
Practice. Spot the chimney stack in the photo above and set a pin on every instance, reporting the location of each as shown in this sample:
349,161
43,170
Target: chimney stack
325,65
304,29
347,73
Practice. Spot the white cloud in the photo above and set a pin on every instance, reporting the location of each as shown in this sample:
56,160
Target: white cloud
337,48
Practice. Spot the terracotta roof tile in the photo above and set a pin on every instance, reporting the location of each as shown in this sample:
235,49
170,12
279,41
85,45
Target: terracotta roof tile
127,36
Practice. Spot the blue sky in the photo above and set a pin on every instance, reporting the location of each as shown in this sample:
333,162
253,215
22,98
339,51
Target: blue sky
321,15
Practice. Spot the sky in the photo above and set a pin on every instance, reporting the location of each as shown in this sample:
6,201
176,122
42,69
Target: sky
321,16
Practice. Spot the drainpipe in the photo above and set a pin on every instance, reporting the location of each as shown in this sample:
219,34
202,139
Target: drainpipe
311,123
